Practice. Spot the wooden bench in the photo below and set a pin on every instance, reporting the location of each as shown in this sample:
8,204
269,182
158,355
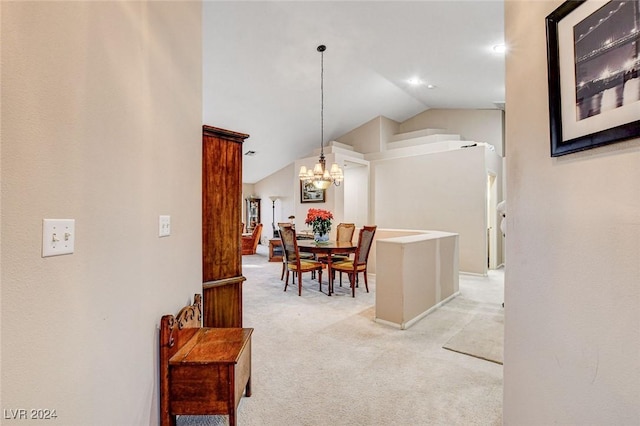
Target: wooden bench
203,371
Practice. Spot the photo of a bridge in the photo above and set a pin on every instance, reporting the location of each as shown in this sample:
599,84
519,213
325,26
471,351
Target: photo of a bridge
607,58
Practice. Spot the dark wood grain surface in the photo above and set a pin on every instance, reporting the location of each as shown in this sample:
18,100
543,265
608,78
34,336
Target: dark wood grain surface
221,233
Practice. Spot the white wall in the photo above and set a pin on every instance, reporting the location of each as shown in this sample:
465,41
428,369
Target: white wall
480,125
101,123
278,183
419,191
388,128
495,167
371,136
442,191
356,194
572,283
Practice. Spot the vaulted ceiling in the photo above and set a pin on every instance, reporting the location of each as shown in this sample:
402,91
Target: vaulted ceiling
261,69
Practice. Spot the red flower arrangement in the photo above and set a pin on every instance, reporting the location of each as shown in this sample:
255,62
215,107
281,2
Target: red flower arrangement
320,220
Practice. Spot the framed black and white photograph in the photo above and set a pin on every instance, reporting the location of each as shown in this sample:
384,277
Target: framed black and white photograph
310,194
593,60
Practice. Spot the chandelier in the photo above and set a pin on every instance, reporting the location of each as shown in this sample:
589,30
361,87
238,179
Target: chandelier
320,177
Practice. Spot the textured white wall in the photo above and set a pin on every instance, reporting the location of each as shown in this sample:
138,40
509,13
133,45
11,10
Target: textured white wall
572,283
102,107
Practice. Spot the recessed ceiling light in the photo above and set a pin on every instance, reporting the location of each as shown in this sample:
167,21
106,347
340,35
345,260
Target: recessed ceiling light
499,48
431,86
414,81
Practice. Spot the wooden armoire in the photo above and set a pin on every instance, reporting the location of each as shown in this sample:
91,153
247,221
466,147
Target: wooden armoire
221,227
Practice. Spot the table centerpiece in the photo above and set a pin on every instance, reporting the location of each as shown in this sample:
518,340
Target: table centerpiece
320,221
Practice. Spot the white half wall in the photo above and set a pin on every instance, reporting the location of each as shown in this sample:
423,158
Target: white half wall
415,275
382,233
101,123
572,280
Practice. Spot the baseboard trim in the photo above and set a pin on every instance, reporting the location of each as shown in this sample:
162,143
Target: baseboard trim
474,274
406,325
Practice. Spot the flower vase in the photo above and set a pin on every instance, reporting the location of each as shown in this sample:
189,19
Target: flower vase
320,238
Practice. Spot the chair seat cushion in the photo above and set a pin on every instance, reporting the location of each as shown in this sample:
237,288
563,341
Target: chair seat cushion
347,266
305,265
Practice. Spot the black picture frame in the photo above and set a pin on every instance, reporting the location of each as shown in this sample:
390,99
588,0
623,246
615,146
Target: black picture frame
577,116
310,194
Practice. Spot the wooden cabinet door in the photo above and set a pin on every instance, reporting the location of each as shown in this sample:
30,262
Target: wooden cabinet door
221,217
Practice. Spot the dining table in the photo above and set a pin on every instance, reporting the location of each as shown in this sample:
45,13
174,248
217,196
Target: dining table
329,248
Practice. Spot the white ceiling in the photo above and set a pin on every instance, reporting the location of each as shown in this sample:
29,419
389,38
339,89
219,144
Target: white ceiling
261,69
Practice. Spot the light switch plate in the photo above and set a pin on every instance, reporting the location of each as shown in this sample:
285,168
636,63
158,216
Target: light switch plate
58,236
164,226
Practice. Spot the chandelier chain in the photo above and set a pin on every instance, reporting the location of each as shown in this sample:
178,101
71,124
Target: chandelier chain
322,103
320,176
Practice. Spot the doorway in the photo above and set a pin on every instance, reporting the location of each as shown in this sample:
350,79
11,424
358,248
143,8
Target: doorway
492,228
356,193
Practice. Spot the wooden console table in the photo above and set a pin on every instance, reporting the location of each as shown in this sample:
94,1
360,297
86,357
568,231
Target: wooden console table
275,250
202,370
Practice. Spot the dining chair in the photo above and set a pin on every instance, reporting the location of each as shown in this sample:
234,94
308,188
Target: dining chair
301,254
359,262
344,233
294,262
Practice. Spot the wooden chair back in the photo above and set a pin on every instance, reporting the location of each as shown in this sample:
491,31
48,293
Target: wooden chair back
289,242
364,244
345,231
284,224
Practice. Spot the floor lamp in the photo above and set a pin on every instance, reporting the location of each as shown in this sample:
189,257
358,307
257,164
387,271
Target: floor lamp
276,233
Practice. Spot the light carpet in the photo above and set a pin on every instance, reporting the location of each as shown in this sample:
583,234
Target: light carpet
482,337
320,360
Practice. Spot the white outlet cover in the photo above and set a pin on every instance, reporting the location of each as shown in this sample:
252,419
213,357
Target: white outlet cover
58,236
164,226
